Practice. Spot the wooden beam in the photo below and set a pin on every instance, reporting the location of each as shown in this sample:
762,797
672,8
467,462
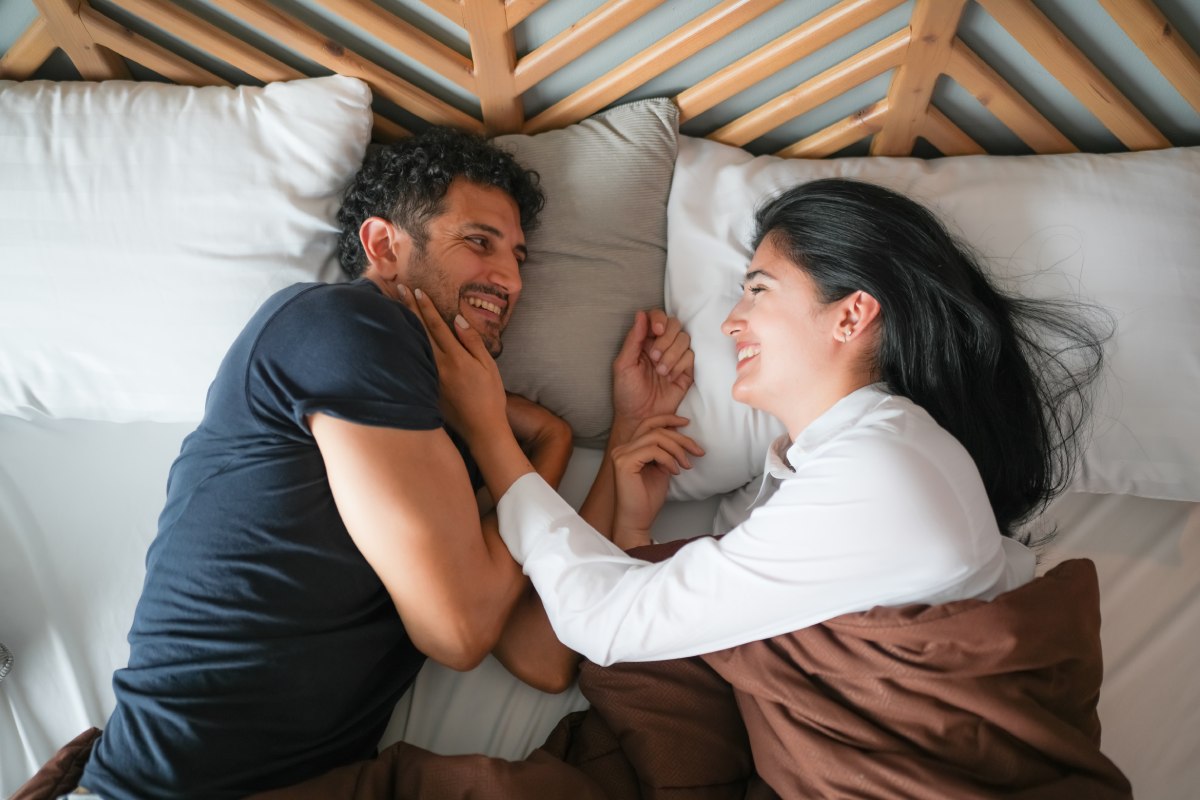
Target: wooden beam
798,43
951,140
406,38
312,45
495,57
934,24
205,36
654,60
515,11
28,52
579,38
1161,43
384,130
67,28
875,60
995,94
1066,62
450,9
840,134
140,50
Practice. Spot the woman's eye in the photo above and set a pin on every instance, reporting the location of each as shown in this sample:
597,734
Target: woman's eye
756,289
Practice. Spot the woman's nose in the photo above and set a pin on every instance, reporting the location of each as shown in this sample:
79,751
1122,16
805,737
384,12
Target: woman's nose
734,322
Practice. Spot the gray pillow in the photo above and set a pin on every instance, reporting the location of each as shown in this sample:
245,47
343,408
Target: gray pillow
597,256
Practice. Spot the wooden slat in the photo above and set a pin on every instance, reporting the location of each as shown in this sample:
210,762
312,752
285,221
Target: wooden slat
28,52
142,51
384,130
211,39
450,9
1161,43
798,43
995,94
406,38
840,134
1066,62
495,57
579,38
515,11
654,60
951,140
94,62
875,60
331,55
933,26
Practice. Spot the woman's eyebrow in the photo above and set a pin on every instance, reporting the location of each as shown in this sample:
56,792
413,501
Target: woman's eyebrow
758,273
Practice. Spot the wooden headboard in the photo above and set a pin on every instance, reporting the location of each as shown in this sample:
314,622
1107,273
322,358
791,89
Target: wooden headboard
100,41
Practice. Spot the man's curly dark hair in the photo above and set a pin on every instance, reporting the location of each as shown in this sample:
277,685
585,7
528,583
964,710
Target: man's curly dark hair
406,183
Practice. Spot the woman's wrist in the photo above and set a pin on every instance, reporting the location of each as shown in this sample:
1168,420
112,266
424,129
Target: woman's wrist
500,459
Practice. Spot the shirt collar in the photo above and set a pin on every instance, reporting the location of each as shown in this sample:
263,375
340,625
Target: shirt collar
783,455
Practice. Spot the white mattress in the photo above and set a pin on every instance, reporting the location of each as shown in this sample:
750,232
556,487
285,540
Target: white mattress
79,502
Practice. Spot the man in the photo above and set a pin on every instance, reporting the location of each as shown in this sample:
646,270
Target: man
320,536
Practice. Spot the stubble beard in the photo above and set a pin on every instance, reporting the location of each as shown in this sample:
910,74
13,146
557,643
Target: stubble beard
427,276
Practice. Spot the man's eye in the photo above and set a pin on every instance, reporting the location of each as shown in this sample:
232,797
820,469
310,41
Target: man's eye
477,240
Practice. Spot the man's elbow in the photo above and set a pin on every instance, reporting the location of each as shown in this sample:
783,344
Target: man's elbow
464,648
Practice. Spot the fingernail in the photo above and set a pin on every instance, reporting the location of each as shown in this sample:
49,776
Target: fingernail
659,328
662,369
461,321
418,293
401,290
655,355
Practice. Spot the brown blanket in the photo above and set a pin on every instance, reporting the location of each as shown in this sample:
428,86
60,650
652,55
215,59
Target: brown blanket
966,700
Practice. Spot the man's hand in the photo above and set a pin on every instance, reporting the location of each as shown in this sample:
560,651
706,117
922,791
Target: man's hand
652,371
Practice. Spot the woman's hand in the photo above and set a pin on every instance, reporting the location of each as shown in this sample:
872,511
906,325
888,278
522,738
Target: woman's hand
643,468
472,392
651,373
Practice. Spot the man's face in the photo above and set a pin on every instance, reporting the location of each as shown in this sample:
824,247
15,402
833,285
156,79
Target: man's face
471,262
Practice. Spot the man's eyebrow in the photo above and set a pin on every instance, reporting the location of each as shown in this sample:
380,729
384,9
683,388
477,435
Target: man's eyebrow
483,226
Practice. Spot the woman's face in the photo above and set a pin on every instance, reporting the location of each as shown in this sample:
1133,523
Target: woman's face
784,336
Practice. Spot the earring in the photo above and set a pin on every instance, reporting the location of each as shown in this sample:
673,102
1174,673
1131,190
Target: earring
847,334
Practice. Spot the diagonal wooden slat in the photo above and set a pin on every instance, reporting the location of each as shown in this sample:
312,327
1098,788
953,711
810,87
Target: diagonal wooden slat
28,52
67,28
331,55
951,140
211,39
839,135
933,26
406,38
875,60
140,50
798,43
654,60
515,11
233,51
579,38
1066,62
995,94
495,56
1161,43
450,9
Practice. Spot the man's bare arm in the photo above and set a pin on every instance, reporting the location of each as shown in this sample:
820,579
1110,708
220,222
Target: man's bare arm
407,502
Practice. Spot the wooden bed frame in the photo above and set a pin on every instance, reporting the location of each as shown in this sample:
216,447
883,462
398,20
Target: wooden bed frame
919,54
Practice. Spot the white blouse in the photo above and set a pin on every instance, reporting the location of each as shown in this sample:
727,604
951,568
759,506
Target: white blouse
873,504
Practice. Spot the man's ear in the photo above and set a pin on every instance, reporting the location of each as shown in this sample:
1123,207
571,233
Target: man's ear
387,247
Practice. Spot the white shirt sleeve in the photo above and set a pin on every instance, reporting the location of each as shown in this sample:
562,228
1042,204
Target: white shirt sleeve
822,546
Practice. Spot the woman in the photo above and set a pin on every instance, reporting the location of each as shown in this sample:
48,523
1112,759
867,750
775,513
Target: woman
926,421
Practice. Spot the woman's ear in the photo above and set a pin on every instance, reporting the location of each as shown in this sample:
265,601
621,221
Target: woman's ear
387,247
855,313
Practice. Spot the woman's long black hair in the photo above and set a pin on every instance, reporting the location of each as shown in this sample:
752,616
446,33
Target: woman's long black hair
1007,376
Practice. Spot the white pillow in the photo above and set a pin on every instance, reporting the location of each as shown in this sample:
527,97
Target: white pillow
1122,231
141,225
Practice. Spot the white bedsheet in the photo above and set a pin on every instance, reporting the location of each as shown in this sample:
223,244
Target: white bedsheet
79,503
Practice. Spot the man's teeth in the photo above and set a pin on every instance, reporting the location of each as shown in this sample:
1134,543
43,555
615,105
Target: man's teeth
484,304
748,352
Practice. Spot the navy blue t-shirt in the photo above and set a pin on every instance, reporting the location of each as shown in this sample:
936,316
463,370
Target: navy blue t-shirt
264,649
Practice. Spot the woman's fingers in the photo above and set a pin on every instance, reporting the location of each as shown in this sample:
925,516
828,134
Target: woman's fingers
439,334
663,446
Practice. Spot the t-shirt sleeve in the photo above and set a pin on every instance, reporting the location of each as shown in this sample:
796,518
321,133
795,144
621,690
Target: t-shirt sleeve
348,352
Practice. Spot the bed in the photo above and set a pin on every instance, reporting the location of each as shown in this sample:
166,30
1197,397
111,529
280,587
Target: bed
122,292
